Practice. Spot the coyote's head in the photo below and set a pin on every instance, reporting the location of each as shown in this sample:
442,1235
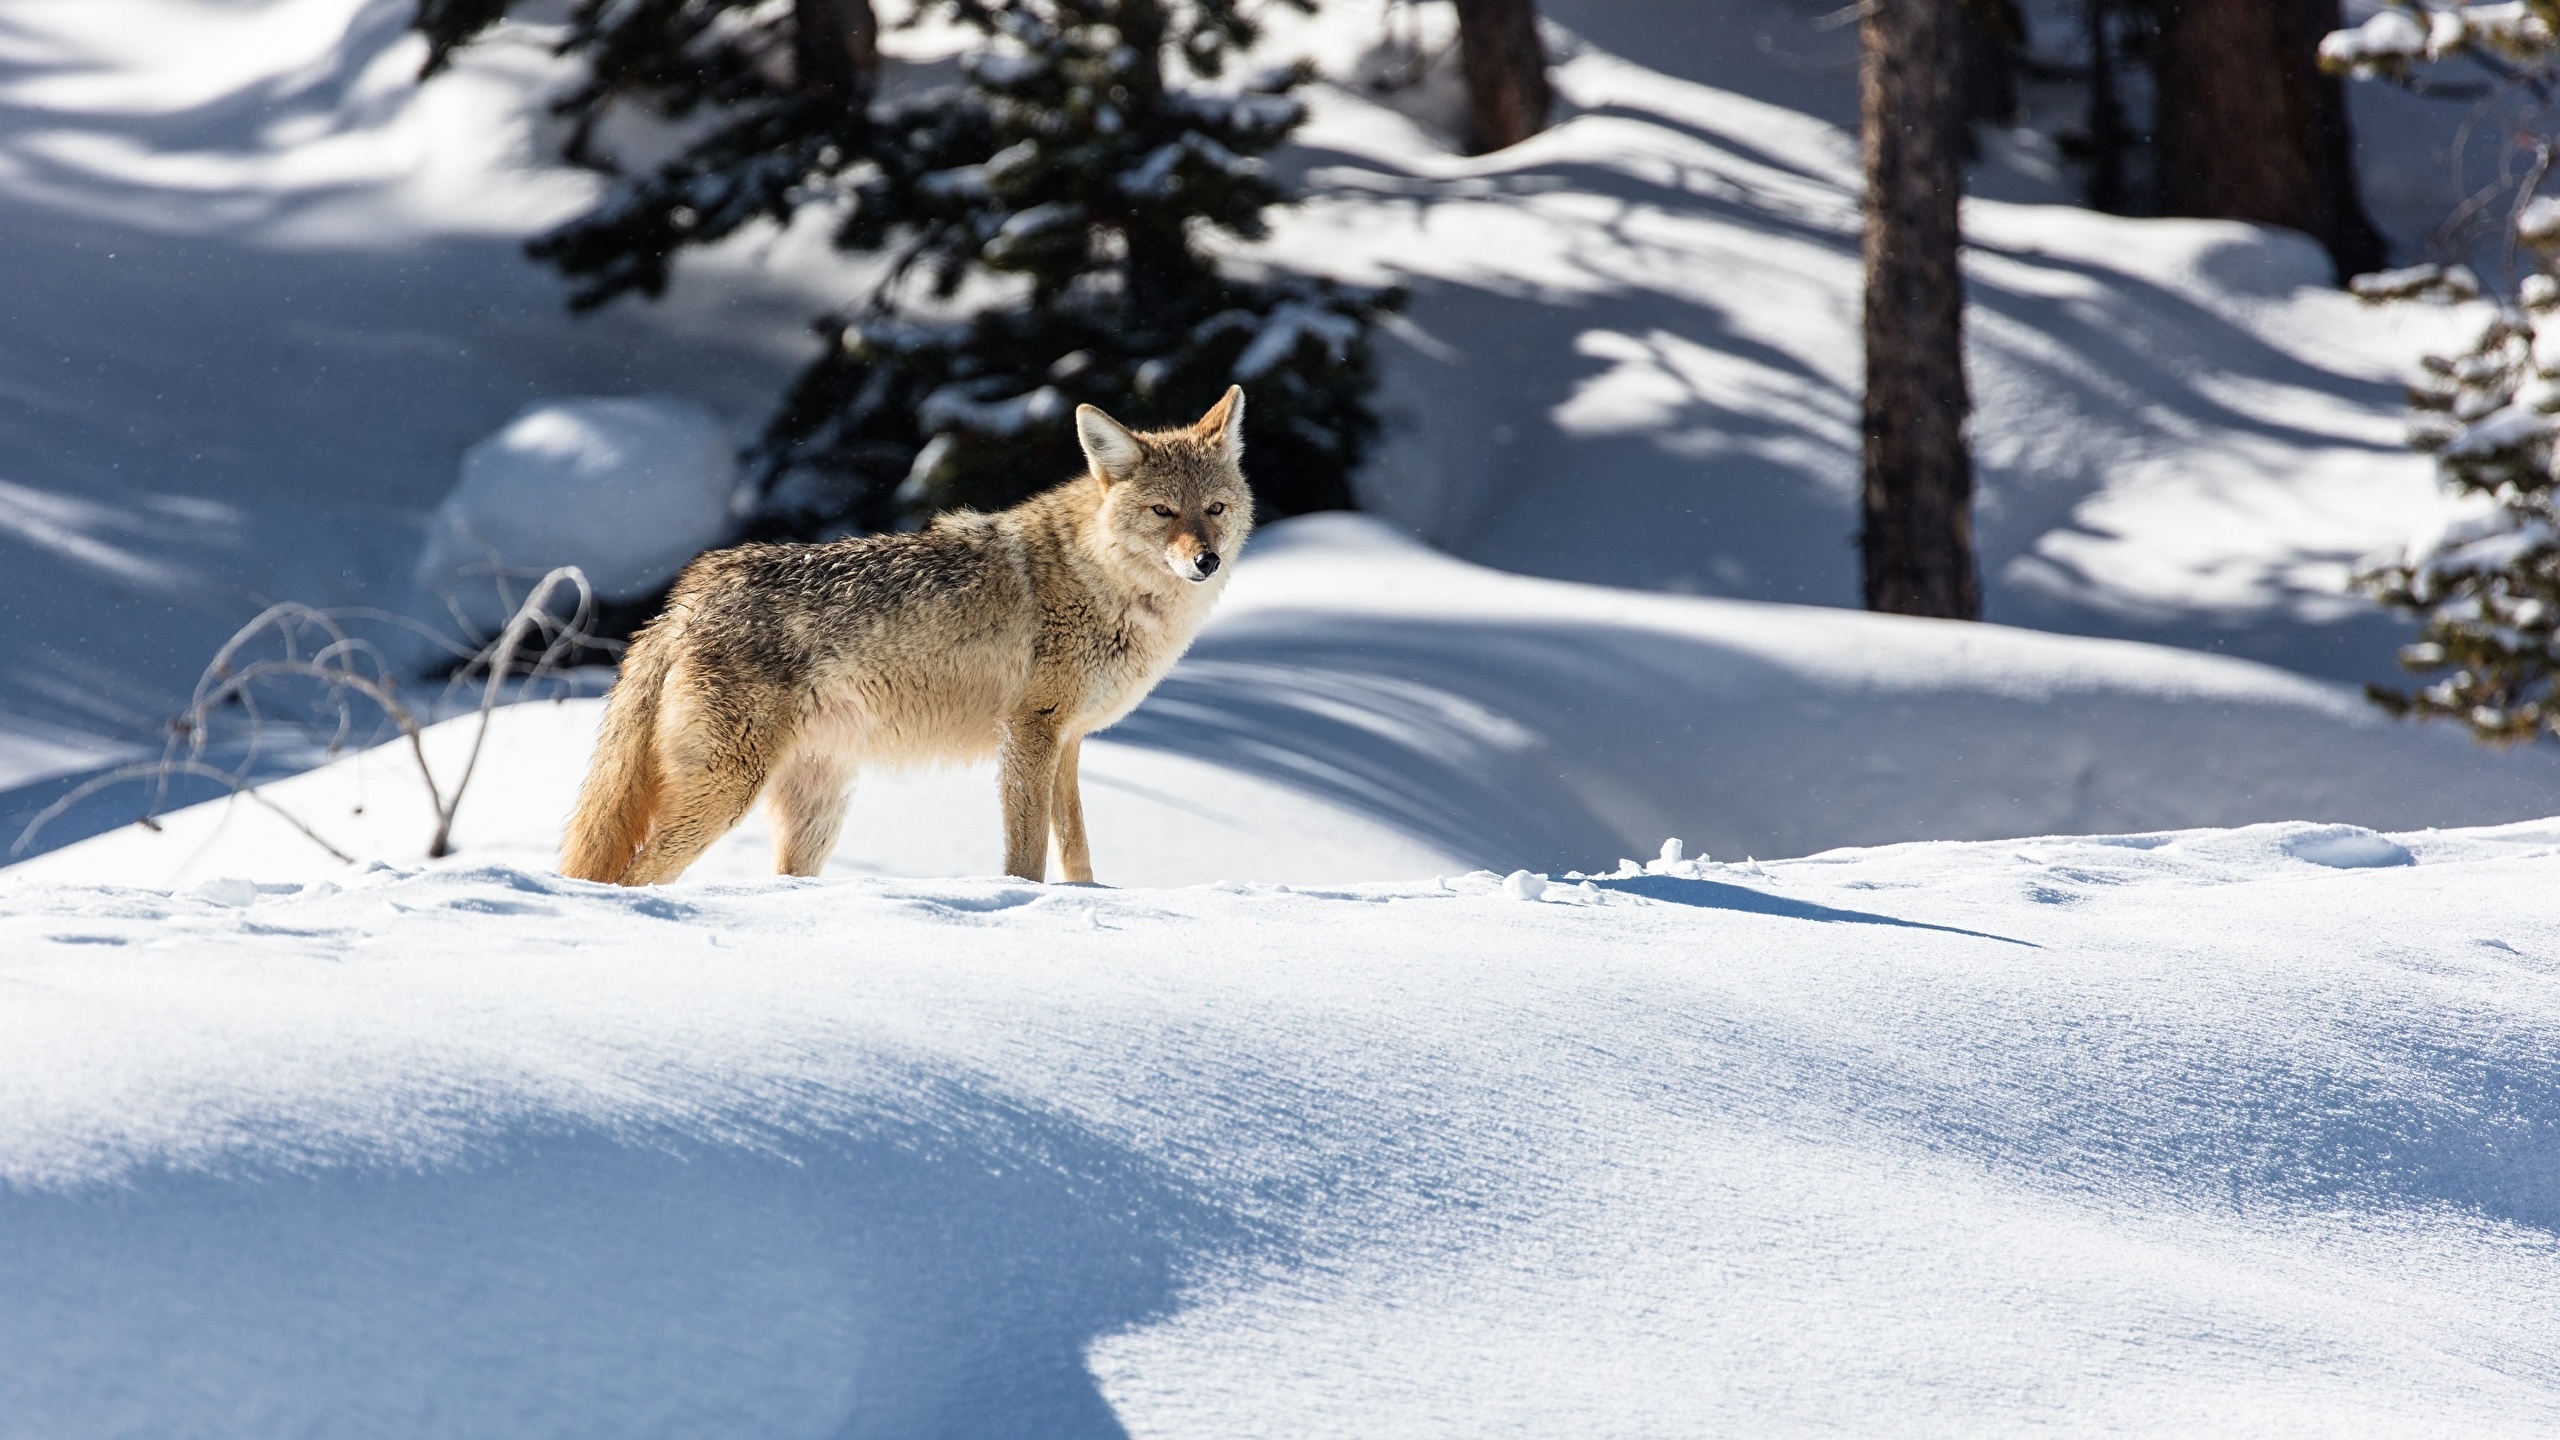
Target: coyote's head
1175,498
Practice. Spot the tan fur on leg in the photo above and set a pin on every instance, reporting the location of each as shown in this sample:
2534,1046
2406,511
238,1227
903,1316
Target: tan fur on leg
697,810
807,800
1029,765
1066,815
712,773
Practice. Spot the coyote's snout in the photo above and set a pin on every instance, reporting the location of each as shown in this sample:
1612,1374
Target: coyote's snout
786,670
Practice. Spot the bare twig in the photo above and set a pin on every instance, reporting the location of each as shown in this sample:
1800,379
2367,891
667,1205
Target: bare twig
314,645
529,615
161,770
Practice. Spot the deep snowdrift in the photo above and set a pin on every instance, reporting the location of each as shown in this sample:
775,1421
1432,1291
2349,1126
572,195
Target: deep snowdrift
2171,1133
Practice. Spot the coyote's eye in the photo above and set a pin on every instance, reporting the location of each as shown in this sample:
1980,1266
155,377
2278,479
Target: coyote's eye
1218,509
1164,512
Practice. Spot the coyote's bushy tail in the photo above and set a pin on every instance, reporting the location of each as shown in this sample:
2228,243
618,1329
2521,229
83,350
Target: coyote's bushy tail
620,797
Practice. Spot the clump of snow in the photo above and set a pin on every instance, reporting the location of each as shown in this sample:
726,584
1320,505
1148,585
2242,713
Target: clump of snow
226,890
958,406
2345,847
2389,37
2508,429
2417,282
627,489
2538,223
1523,885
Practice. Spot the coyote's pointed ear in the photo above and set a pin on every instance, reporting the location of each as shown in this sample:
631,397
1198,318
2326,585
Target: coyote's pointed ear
1108,446
1225,423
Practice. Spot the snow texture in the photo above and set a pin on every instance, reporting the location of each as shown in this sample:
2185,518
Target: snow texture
626,489
2242,1131
1379,1100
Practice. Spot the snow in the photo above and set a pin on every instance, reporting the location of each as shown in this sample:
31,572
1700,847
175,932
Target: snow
1384,1095
2389,36
270,292
2510,428
2538,222
2181,431
2186,1131
1288,325
625,488
1432,715
957,406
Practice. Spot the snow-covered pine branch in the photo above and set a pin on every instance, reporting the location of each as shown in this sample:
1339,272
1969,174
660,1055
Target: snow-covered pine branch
1058,225
2486,589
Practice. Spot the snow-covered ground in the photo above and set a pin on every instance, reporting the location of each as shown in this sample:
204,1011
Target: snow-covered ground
2217,1132
2196,1130
2213,1131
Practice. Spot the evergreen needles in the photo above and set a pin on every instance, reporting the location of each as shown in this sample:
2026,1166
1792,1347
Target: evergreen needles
1060,223
2487,590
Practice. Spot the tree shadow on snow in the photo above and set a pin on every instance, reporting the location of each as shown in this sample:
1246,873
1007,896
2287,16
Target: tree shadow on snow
1559,745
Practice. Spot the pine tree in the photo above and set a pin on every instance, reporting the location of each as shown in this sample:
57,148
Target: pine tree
1073,173
2487,591
1917,537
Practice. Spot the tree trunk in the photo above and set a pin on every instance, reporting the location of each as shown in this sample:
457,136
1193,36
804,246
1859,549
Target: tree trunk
1917,539
2249,129
835,48
2108,134
1506,70
1994,31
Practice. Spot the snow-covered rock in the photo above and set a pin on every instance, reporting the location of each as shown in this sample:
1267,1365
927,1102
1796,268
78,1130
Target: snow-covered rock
626,488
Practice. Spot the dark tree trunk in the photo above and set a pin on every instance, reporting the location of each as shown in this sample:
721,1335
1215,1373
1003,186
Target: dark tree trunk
1993,31
2249,129
2108,134
835,48
1506,69
1917,538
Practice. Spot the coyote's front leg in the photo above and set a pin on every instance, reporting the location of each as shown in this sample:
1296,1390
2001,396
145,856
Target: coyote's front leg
1029,764
1066,816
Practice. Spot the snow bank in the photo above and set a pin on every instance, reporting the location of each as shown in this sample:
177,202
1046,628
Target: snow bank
1421,713
2169,1132
626,488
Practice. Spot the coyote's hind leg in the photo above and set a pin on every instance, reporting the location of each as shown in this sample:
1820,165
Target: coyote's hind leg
709,783
807,800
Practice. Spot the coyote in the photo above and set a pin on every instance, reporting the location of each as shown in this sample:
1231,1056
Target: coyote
786,670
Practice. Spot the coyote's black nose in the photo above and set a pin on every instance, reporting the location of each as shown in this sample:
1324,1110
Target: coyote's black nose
1208,562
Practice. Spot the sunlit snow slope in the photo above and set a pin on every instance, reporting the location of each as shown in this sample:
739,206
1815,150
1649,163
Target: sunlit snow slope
2208,1133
